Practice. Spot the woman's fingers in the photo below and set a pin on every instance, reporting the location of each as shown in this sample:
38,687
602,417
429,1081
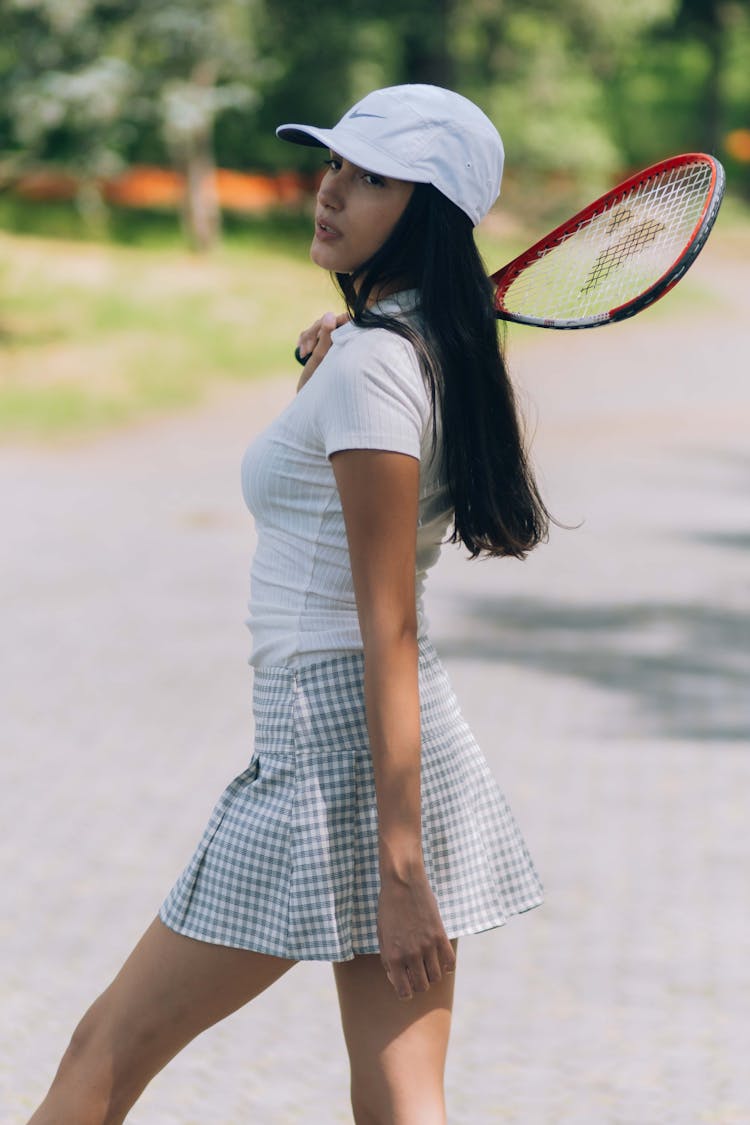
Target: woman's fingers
418,975
414,974
432,966
399,981
314,343
308,339
398,975
318,335
326,325
447,956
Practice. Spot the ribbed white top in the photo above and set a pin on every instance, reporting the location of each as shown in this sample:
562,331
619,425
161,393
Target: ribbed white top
368,393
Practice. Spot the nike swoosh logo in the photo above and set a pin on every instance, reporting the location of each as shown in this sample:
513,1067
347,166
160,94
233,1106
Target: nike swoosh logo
356,113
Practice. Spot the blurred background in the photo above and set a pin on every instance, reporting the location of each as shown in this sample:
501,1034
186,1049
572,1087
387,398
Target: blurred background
153,269
152,126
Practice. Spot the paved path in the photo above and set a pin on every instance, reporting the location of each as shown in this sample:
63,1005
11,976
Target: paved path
606,677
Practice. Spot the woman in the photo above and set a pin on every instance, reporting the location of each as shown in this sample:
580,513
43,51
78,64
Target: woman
367,829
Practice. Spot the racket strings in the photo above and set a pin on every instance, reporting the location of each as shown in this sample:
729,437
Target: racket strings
616,254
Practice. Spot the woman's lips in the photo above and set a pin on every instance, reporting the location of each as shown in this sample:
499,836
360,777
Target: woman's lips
325,232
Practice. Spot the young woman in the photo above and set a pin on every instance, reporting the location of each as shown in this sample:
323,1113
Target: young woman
367,829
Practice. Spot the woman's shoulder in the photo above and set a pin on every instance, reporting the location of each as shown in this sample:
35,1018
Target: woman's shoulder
368,387
377,364
383,342
379,342
375,353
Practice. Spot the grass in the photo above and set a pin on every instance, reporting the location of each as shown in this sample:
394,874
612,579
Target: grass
98,334
147,228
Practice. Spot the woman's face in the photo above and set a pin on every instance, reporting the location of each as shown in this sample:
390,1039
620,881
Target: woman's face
356,211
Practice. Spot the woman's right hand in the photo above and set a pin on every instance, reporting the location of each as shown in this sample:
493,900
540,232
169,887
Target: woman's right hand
315,341
414,947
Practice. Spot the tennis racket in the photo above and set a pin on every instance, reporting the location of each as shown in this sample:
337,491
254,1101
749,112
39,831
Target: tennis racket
618,255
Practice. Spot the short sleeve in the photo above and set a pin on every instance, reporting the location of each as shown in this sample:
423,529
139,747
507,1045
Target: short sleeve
375,396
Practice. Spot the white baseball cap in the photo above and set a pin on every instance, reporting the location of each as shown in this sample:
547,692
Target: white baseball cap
423,134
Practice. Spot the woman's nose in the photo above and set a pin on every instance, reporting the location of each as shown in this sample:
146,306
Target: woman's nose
328,195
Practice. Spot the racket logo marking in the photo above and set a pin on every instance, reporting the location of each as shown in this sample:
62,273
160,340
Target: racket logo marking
624,215
612,258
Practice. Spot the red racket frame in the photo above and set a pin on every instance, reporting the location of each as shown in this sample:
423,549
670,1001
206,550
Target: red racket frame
508,273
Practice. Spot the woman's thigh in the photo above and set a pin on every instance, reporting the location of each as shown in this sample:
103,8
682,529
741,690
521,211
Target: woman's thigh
169,990
179,986
397,1048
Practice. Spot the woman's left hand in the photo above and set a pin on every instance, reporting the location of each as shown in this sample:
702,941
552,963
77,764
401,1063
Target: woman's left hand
414,947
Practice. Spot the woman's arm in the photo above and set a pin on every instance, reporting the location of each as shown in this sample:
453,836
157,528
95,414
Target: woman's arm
379,495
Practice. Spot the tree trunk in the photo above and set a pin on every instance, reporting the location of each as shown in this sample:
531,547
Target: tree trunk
91,206
427,52
713,104
201,211
707,20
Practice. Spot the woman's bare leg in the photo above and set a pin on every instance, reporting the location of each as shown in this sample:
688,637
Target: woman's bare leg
396,1048
169,990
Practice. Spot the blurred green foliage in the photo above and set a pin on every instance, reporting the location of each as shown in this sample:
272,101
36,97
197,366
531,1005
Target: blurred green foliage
581,92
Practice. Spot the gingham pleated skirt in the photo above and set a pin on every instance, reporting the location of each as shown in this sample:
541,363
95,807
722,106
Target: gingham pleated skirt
288,863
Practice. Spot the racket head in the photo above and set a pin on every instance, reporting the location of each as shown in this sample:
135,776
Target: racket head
618,255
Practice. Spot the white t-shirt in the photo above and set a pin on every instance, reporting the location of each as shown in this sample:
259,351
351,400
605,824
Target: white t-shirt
368,393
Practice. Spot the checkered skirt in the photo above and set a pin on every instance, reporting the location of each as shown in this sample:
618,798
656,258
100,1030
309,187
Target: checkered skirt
288,863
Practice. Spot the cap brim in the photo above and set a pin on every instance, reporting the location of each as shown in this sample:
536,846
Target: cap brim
353,148
304,135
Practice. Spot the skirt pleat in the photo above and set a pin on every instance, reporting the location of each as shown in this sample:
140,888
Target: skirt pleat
288,863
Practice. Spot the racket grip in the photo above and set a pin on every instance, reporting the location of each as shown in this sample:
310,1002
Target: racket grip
301,358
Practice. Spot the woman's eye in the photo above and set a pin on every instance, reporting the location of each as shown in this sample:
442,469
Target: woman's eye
332,163
371,178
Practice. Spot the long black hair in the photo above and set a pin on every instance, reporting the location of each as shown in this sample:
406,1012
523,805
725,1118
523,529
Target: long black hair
497,506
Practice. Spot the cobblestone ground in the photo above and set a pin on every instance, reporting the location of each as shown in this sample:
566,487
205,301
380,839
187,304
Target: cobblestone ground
606,678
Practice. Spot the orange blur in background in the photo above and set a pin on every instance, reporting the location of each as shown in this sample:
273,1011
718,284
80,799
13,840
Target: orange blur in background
151,186
737,144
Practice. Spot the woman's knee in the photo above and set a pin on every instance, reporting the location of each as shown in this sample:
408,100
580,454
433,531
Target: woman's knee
107,1058
362,1110
86,1037
82,1089
377,1100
